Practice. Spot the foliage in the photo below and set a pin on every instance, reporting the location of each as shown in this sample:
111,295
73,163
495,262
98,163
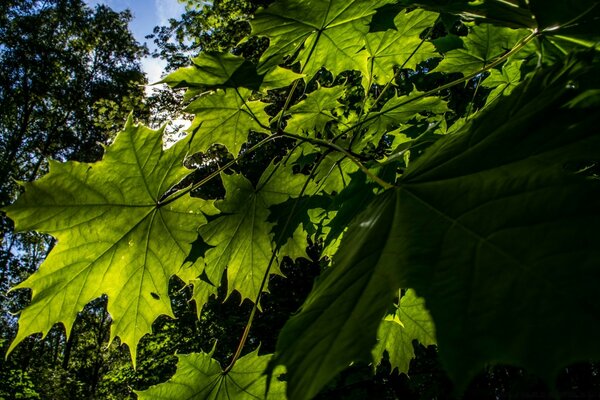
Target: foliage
474,224
70,76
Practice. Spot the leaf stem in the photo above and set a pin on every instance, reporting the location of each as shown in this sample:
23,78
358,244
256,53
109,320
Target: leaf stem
196,185
353,157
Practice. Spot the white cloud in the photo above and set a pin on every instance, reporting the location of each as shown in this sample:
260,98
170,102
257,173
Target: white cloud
166,9
153,68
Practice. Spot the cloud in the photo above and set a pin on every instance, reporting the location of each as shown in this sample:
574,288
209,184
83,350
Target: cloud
154,68
166,9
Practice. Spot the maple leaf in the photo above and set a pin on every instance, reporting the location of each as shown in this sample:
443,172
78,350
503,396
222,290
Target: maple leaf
226,117
115,235
223,70
333,174
200,377
503,82
399,47
482,45
494,226
312,114
397,111
325,33
240,239
410,321
504,13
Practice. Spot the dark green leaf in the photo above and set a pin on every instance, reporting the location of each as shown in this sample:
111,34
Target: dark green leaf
493,228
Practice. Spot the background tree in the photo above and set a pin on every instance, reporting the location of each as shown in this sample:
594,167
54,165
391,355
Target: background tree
70,76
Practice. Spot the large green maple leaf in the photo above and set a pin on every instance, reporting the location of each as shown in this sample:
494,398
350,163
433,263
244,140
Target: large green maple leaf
115,235
494,226
241,239
200,377
324,33
226,117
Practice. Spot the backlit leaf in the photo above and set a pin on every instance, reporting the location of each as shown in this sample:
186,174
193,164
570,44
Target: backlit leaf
114,235
512,13
401,47
226,117
324,33
241,240
312,114
482,45
224,70
400,110
411,321
503,83
200,377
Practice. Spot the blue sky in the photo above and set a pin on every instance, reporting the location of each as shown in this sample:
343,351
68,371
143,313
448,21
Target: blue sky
146,15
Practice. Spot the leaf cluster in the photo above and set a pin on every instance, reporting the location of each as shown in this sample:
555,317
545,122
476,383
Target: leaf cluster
464,223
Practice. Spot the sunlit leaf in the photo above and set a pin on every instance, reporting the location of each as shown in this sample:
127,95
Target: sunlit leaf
512,13
115,235
226,117
400,110
240,239
325,33
200,377
401,47
315,111
503,82
410,321
224,70
482,45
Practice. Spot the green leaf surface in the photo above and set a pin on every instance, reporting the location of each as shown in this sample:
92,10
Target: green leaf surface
338,321
400,110
401,47
312,114
200,377
410,321
297,225
494,226
224,70
201,293
503,82
240,238
333,173
482,45
353,199
113,234
226,117
323,33
511,13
